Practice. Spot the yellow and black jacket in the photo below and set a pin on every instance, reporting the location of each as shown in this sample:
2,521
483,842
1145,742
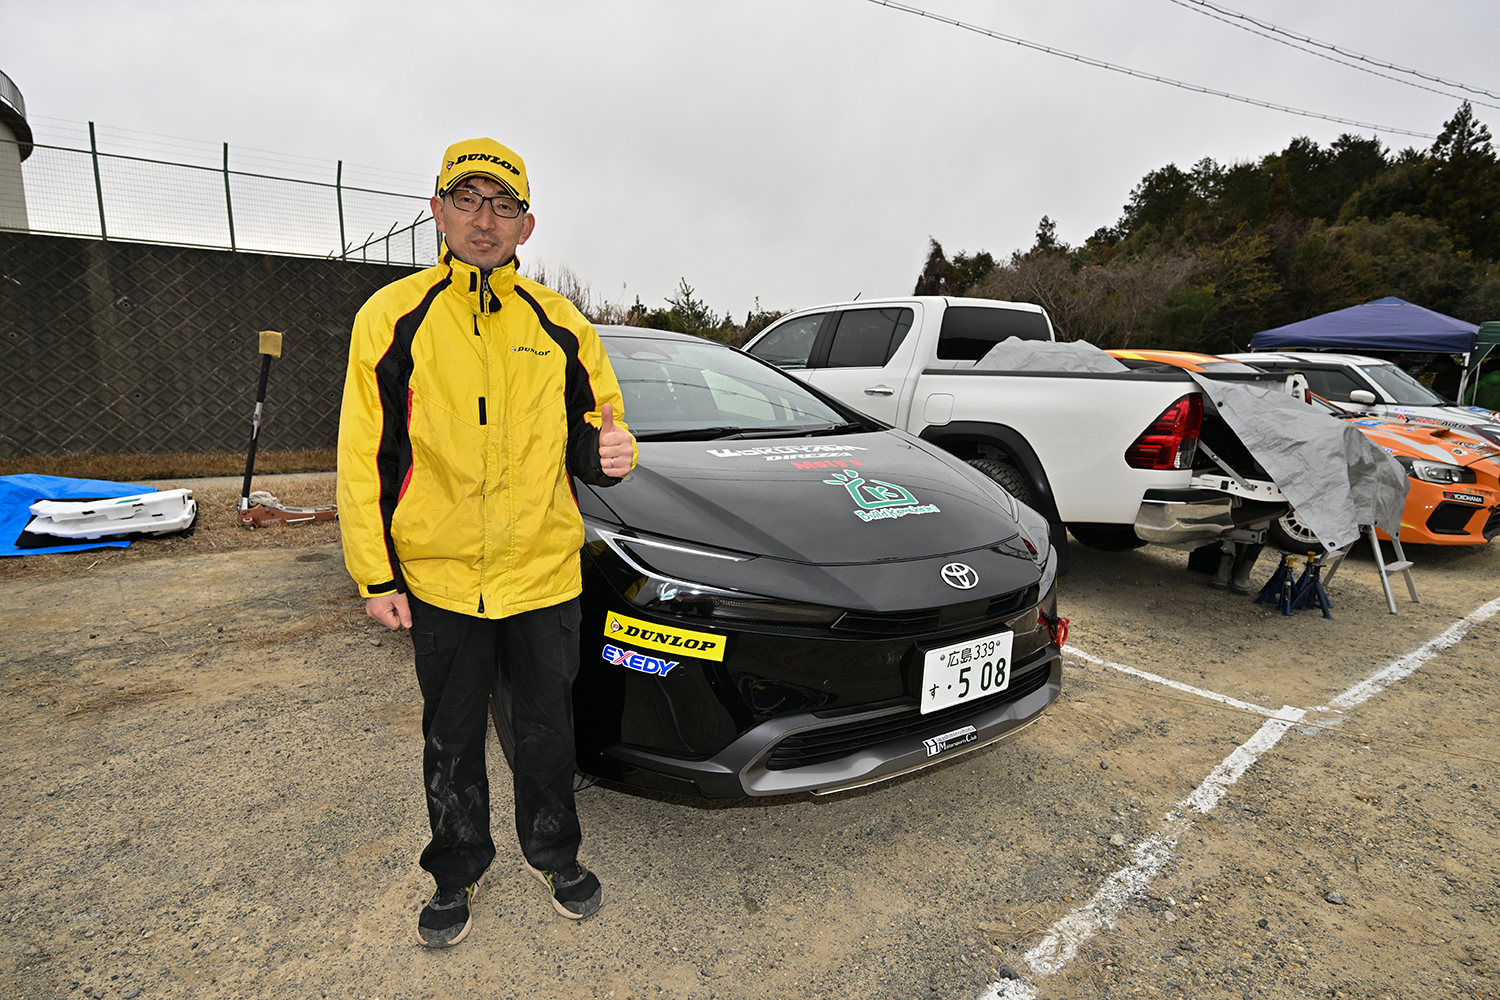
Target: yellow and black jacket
465,410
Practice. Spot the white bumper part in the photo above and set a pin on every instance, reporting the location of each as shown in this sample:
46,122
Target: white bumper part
144,514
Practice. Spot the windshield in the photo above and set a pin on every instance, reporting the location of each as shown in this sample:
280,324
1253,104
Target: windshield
673,387
1401,387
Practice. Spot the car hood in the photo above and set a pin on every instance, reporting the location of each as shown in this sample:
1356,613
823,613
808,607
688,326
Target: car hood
1452,414
1431,441
852,499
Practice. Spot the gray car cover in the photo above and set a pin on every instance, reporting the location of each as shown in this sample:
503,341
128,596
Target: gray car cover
1335,476
1016,355
1330,472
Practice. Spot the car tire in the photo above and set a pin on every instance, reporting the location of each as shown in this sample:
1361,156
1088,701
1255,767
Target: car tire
1008,476
1107,538
1289,534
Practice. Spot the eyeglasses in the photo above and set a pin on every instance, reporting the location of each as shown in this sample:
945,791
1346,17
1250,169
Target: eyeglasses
469,200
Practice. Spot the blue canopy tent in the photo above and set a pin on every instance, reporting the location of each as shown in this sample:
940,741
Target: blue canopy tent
1388,324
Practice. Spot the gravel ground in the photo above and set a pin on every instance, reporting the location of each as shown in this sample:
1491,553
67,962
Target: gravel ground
211,790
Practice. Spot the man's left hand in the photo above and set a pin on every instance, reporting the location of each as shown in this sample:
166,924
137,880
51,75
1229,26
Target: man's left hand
616,445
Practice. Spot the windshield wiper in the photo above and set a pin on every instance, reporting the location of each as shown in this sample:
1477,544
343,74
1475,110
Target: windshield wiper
806,430
837,429
715,433
692,434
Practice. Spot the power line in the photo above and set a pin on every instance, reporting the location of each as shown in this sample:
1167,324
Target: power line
1101,64
1346,53
1208,10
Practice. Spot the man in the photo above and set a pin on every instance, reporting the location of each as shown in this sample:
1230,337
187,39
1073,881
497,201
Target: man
472,397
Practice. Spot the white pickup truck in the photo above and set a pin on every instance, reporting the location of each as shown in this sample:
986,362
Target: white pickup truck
1115,457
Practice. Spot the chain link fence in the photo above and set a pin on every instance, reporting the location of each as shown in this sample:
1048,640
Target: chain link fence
113,184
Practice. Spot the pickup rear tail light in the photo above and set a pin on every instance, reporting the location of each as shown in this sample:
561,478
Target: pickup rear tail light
1171,442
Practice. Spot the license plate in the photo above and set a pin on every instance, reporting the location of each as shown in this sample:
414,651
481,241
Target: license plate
965,671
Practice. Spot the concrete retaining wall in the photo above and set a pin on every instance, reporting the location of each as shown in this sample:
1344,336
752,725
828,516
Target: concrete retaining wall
119,348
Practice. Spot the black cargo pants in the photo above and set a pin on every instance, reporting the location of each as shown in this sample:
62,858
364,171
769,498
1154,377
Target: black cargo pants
460,659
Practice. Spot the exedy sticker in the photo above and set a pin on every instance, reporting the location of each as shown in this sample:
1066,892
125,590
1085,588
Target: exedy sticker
638,661
879,499
623,628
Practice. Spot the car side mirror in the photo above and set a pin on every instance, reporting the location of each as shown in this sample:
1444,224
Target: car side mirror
1362,396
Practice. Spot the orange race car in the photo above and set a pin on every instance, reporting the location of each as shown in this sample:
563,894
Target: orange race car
1454,492
1206,363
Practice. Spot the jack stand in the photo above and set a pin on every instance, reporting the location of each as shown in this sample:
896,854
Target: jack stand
1280,588
1309,589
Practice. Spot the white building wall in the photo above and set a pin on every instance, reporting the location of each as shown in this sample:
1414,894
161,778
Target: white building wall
12,190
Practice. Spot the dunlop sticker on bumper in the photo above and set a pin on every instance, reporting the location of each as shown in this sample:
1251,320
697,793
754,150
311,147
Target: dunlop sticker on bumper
704,645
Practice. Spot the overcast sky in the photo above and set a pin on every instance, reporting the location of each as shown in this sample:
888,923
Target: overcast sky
795,151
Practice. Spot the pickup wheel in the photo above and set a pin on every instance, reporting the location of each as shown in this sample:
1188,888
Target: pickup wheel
1008,476
1289,534
1107,538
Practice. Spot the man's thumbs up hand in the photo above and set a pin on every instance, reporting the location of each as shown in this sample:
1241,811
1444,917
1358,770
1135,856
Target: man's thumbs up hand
616,446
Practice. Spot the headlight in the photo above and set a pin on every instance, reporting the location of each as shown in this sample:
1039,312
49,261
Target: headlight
1435,472
652,591
653,594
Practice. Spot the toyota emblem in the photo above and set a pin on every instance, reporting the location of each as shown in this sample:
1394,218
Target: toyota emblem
960,576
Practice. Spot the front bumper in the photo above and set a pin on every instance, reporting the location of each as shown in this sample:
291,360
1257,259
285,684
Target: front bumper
1460,514
847,750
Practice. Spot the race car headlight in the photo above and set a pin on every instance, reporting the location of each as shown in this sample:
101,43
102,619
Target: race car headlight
653,591
1435,472
665,597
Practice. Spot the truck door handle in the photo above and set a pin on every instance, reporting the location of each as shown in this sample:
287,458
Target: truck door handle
879,390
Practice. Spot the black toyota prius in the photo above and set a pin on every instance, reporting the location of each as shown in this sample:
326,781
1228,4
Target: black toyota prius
788,596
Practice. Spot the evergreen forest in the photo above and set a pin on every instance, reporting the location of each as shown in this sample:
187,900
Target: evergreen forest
1202,259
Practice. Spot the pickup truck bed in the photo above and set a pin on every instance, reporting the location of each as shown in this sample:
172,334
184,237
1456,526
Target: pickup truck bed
1111,456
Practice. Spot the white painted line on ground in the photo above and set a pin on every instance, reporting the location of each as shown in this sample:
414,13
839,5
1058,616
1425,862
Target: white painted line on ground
1223,699
1060,944
1413,661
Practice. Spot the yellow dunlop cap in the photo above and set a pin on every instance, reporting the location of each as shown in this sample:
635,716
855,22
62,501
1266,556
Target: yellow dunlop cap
270,343
487,157
624,629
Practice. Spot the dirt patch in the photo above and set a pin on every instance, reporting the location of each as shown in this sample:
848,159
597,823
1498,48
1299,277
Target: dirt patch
120,696
211,760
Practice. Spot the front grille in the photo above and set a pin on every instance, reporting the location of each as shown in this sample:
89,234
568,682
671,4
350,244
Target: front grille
1492,523
818,746
931,619
1449,518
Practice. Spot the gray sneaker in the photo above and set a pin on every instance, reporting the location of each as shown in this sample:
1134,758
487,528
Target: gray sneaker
447,917
575,891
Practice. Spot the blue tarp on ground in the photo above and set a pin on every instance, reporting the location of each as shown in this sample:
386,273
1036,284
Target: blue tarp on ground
1388,324
18,493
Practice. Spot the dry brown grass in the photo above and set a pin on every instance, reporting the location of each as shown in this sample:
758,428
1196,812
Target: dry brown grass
116,697
173,465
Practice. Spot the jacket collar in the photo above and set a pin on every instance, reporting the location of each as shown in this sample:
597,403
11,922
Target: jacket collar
466,282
